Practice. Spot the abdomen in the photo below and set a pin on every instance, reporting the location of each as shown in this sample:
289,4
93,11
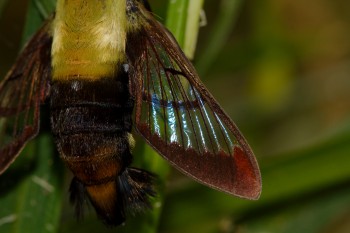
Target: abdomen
91,122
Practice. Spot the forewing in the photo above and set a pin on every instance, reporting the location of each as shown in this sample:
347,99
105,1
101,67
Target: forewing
180,118
21,93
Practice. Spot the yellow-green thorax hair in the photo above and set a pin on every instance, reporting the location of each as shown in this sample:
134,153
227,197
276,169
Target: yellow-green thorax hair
89,38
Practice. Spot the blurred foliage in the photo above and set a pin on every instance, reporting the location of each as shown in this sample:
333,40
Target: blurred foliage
281,70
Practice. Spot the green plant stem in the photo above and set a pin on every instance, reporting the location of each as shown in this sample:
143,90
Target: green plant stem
228,13
183,21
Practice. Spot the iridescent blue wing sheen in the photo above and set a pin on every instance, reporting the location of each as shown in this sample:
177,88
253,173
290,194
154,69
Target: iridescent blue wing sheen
180,118
21,92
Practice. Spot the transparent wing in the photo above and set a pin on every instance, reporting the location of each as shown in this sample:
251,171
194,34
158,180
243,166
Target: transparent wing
180,118
21,92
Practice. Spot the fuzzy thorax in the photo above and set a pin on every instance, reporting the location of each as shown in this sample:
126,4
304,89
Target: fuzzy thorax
89,38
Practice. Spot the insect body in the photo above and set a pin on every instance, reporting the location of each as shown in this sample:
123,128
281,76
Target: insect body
98,61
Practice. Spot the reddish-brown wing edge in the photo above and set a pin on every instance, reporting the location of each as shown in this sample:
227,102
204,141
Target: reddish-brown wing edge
246,182
37,52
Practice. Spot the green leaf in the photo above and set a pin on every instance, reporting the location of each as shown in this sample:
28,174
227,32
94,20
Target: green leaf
31,190
45,7
38,10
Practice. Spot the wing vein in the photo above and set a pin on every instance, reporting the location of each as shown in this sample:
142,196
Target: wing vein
202,115
184,96
224,133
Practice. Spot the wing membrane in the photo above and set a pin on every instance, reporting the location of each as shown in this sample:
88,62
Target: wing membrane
176,111
21,93
180,118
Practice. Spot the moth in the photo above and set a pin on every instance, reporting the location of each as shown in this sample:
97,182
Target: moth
105,66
